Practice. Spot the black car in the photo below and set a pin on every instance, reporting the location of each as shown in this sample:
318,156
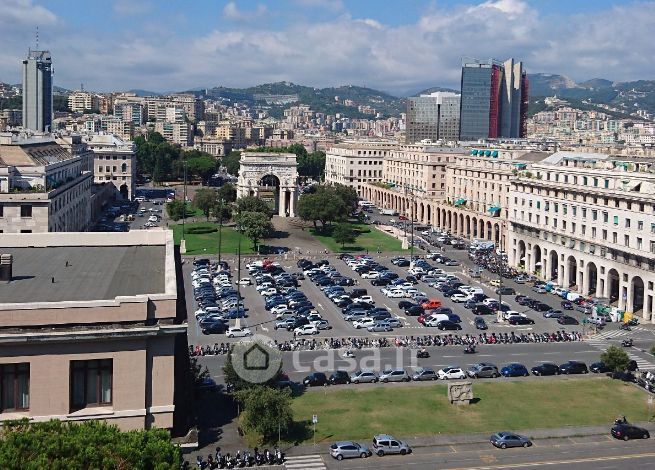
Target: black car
215,328
480,324
448,325
566,305
628,431
520,320
405,304
573,367
541,307
524,301
546,368
567,320
505,291
469,304
315,379
300,321
599,367
339,377
414,311
381,281
482,310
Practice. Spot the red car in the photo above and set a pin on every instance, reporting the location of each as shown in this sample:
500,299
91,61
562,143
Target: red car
402,217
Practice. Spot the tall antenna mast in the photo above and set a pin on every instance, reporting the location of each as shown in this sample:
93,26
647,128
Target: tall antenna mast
37,38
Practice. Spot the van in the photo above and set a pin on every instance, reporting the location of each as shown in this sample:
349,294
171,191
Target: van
437,317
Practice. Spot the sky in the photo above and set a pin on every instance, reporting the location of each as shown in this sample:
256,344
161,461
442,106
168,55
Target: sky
399,46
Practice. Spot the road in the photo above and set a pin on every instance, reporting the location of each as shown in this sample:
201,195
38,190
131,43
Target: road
580,453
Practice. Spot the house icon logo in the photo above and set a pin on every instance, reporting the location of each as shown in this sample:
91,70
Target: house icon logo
256,359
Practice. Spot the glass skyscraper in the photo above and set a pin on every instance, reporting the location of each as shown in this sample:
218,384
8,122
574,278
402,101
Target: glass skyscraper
37,91
434,117
494,99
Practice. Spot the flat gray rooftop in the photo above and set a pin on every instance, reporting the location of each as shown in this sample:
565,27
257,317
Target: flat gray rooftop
93,273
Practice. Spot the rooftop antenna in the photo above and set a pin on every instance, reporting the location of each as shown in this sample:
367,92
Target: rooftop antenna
37,38
81,86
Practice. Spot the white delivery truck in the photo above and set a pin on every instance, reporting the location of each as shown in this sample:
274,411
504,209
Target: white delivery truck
388,212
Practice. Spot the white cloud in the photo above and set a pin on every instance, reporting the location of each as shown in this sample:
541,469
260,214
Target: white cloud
344,50
232,12
332,5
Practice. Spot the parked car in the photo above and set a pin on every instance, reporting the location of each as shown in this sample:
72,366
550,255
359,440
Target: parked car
628,431
504,440
505,291
573,367
363,376
451,372
547,368
599,367
483,370
236,332
567,320
339,377
514,370
423,373
348,450
520,320
394,375
480,324
315,379
386,444
448,325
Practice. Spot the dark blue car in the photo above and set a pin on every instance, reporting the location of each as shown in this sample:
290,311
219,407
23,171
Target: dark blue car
514,370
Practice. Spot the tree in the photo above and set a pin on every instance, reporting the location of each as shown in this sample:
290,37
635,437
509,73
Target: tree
343,233
203,166
255,226
238,383
205,200
227,192
175,209
231,162
348,195
253,204
88,444
324,206
266,410
615,358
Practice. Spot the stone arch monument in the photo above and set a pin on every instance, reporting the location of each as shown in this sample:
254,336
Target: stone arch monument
272,177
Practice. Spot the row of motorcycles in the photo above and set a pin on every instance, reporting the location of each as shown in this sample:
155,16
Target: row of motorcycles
240,459
216,350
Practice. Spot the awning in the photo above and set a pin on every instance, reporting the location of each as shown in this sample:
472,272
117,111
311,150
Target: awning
461,201
494,154
474,152
494,209
520,166
487,153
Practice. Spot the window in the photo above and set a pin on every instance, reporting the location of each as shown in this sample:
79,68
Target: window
538,204
583,229
594,215
595,181
584,212
627,223
640,243
26,210
604,234
640,223
593,232
616,220
607,184
652,246
91,383
626,240
2,211
15,386
26,231
605,217
615,238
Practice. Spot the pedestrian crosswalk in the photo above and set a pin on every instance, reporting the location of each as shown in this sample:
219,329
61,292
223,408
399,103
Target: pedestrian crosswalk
309,462
602,342
609,334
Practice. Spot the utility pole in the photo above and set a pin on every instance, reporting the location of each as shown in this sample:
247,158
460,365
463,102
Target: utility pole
500,286
238,269
183,241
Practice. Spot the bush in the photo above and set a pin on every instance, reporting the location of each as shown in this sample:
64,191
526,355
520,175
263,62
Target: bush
201,230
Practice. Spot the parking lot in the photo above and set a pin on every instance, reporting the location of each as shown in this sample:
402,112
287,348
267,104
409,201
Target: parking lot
148,210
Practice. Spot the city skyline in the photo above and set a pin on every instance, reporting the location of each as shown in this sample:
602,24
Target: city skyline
123,46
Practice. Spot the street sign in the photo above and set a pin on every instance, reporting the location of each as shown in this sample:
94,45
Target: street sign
314,419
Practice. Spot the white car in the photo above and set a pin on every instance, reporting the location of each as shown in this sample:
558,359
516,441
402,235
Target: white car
322,325
306,330
366,298
279,309
363,323
371,275
396,294
489,301
245,281
264,286
451,372
153,219
235,332
431,321
460,297
410,292
269,291
512,313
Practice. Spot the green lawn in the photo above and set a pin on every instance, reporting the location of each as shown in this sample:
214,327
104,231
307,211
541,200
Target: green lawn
207,243
368,238
406,411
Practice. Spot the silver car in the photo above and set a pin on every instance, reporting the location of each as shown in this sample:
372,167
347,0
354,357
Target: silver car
423,373
394,375
380,326
386,444
348,449
363,376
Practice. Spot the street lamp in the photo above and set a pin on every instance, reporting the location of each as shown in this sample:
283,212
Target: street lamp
183,241
238,227
408,190
220,229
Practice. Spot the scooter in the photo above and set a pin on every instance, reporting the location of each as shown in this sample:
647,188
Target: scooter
626,343
625,326
279,456
349,353
469,350
422,354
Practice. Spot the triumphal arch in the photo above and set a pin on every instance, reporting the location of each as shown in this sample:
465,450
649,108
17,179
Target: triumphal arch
272,177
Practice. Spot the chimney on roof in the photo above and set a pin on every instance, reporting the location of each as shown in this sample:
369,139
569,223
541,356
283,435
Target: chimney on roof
6,262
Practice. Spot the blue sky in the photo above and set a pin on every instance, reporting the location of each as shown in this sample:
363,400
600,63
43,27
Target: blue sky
398,46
